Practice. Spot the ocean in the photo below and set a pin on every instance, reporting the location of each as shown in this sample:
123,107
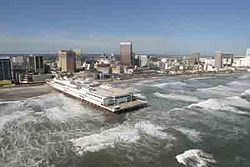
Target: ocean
193,121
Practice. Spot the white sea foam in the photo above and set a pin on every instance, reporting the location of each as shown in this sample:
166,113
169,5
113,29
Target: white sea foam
179,97
11,106
244,77
10,102
237,84
54,106
214,104
105,139
140,96
59,114
192,134
143,82
4,119
218,90
121,134
49,100
237,102
177,84
57,107
196,158
153,130
247,92
227,104
201,78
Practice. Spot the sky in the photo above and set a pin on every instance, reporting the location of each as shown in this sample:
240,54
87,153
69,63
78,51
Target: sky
98,26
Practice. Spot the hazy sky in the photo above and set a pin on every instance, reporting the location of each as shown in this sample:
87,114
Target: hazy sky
154,26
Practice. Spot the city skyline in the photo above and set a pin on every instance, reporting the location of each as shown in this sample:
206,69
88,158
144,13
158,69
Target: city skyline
160,27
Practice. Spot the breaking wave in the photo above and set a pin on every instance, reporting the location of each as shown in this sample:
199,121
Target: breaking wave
237,101
143,82
180,97
5,119
237,83
153,130
220,90
122,134
35,131
244,77
191,134
140,96
105,139
247,92
162,85
196,158
201,78
228,104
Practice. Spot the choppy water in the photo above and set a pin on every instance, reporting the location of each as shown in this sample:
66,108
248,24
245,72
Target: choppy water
191,121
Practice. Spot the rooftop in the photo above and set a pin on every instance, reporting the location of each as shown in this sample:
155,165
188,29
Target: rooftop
4,57
108,92
126,43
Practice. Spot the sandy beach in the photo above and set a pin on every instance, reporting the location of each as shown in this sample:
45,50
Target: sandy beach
23,92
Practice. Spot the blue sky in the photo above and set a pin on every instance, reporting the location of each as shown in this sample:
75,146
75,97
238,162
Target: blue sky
154,26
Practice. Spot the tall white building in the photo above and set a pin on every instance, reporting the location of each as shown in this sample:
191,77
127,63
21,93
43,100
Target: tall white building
242,61
248,57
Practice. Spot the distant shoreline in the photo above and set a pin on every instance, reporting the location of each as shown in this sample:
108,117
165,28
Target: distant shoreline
132,79
24,91
165,76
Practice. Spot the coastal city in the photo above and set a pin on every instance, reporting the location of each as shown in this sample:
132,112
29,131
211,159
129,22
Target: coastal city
35,68
104,83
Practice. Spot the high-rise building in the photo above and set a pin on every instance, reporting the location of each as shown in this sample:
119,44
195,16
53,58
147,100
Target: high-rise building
67,61
218,59
78,53
5,68
247,61
126,53
223,59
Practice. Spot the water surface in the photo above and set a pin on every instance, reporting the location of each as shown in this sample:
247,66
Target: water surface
191,121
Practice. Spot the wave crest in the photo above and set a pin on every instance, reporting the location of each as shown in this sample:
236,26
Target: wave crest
179,97
196,158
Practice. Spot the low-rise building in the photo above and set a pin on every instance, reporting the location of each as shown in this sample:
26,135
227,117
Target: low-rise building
172,64
105,69
144,60
194,58
209,64
223,60
116,69
155,63
128,69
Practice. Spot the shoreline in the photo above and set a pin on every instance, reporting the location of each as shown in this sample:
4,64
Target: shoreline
128,80
136,79
20,92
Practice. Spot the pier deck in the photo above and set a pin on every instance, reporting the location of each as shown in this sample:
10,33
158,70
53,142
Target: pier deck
131,105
